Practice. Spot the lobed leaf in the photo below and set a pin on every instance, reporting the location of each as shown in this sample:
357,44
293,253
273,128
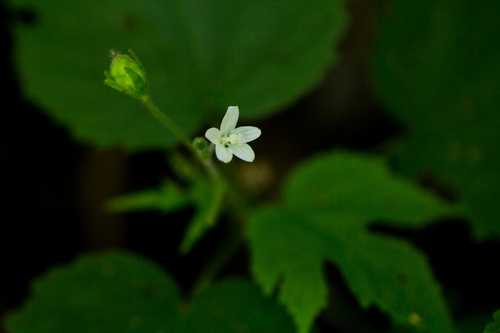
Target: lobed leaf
329,203
348,183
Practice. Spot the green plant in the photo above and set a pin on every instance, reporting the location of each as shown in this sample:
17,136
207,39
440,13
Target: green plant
198,59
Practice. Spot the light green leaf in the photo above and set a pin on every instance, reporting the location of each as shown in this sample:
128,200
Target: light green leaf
494,327
437,71
115,292
329,204
200,57
236,306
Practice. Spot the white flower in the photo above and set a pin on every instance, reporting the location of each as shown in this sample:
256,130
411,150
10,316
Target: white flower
230,140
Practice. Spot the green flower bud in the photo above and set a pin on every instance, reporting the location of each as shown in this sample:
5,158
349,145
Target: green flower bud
127,75
200,143
202,148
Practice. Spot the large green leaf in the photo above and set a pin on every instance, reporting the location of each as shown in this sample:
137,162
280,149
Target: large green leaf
200,56
329,203
437,70
121,292
116,292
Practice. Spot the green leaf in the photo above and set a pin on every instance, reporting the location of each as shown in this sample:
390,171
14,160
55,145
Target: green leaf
354,184
494,327
168,198
441,79
122,292
236,306
200,57
205,195
329,204
114,292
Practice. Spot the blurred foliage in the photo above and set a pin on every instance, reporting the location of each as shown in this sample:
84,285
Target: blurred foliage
168,198
122,292
117,292
236,306
329,204
200,57
437,70
201,193
494,327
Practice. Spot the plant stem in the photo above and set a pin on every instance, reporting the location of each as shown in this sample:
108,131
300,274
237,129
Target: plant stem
235,239
181,135
165,120
225,251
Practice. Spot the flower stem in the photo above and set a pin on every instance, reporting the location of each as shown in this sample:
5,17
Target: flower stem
165,120
181,135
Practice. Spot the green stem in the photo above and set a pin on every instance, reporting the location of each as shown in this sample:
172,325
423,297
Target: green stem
239,214
182,136
212,170
235,239
225,252
165,120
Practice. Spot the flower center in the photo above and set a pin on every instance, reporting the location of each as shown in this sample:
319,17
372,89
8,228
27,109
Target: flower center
229,140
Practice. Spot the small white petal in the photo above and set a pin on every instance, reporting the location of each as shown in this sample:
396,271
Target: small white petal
247,133
245,152
223,153
230,119
213,135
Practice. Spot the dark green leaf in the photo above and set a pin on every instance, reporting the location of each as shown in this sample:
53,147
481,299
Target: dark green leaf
121,292
437,70
115,292
494,327
200,57
236,306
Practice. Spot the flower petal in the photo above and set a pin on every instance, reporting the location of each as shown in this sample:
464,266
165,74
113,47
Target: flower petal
230,119
213,135
247,133
245,152
224,154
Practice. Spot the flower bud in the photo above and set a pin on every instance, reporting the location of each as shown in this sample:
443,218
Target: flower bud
127,75
200,143
201,146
